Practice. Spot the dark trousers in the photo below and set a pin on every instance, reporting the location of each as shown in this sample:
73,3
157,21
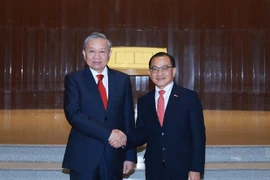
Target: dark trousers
100,173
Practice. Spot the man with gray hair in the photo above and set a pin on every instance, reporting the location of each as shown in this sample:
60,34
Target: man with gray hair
99,107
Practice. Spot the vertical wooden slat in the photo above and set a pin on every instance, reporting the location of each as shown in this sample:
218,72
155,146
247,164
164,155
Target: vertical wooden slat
221,47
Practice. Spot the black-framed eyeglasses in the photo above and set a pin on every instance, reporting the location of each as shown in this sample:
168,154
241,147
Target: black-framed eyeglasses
164,69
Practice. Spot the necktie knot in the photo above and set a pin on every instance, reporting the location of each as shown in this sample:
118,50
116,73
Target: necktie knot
161,92
100,77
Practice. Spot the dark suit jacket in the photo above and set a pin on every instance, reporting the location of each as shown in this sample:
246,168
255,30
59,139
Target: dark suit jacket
91,124
180,143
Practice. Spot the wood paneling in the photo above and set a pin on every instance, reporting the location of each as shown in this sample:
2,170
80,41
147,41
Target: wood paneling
222,47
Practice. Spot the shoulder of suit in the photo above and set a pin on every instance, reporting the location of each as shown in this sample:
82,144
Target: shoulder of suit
147,95
184,90
76,73
117,72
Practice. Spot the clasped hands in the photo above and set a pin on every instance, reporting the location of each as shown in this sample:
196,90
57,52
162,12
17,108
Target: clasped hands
117,138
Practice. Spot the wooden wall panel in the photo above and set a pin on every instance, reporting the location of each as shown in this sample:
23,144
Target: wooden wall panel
222,47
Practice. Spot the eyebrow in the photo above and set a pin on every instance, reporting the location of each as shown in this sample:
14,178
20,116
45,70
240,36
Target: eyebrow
160,66
96,49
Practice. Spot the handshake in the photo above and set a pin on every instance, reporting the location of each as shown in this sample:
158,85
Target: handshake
117,138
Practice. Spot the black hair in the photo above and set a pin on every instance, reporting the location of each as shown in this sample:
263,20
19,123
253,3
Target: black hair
160,54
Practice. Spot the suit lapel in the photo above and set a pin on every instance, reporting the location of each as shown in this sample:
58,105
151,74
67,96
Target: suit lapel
111,86
89,81
152,107
91,85
173,103
174,96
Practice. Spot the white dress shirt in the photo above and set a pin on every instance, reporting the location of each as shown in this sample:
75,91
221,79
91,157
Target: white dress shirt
166,95
104,79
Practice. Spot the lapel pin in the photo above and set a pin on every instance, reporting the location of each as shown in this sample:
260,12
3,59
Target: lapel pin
175,95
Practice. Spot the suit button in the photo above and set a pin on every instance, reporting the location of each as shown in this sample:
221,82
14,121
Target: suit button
162,134
163,149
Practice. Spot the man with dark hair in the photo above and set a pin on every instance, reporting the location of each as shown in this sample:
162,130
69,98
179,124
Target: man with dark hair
170,120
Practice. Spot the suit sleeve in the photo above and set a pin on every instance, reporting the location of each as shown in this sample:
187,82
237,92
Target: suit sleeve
138,136
76,118
198,135
131,154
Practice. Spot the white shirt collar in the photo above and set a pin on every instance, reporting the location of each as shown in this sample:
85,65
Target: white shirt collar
167,89
104,72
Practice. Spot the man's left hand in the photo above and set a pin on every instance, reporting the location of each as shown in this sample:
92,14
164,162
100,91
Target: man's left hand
194,175
128,167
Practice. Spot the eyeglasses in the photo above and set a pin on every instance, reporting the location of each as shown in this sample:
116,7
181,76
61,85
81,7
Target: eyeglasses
164,69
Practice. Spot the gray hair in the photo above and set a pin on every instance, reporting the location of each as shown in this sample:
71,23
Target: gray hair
96,35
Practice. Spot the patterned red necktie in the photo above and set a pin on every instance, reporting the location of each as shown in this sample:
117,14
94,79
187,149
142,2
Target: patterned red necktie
102,90
161,107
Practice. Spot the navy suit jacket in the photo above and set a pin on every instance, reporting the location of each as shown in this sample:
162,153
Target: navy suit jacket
91,124
180,142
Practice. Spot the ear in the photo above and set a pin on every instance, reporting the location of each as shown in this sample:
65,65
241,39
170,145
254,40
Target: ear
149,74
84,54
110,53
174,71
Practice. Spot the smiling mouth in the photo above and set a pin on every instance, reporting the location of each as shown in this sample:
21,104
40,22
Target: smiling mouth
160,79
97,62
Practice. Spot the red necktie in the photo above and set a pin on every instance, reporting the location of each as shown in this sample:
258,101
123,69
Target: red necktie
161,107
102,90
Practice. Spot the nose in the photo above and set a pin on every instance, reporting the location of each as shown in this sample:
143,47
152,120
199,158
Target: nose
96,55
160,71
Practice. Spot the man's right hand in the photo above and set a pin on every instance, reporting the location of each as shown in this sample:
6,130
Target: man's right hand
117,138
